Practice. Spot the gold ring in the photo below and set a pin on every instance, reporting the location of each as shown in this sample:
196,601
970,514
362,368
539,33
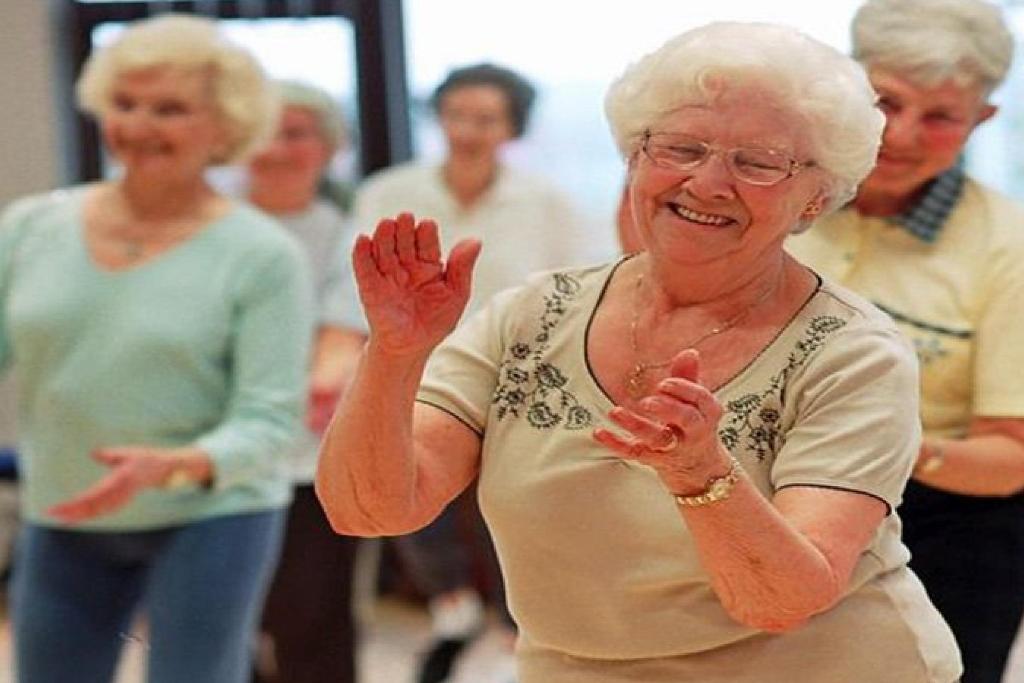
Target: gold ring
670,440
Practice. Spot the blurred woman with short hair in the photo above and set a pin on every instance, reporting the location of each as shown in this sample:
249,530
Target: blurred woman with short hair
160,332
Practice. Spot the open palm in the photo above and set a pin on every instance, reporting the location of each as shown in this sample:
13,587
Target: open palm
411,297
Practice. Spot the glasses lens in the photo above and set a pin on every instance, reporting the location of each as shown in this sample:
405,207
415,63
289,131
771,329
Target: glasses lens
760,166
672,151
756,166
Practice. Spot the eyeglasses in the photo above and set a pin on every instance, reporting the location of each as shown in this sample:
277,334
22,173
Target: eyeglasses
752,165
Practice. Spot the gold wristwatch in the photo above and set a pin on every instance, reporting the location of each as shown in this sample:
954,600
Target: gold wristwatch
178,479
718,488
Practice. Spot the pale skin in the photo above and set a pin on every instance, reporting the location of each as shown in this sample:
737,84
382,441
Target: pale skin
927,128
389,465
163,127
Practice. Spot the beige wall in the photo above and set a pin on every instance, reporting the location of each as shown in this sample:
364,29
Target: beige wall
28,124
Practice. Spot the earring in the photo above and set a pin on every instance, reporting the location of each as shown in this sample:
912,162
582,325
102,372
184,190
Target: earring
813,208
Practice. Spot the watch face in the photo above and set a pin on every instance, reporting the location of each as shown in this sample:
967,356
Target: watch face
720,488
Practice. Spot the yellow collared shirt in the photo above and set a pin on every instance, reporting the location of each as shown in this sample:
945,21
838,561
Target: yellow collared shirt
960,300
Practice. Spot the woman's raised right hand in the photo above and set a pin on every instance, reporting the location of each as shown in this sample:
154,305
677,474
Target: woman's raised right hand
412,298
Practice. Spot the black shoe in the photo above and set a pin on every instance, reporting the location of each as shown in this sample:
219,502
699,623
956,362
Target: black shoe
440,658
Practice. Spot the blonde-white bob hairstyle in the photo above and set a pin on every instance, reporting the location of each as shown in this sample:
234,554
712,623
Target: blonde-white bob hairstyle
244,97
826,92
932,41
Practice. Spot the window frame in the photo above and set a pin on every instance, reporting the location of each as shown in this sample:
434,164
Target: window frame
383,99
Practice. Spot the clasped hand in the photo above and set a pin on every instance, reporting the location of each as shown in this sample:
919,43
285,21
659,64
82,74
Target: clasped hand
673,430
411,297
132,469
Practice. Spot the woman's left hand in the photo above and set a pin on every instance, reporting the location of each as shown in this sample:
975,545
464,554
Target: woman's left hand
674,430
132,469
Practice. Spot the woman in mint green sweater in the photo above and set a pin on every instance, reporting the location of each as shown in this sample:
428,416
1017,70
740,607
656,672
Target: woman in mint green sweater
160,335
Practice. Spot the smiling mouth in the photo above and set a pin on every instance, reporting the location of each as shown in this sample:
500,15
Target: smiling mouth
700,218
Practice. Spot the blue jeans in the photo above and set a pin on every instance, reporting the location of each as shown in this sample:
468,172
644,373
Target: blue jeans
200,586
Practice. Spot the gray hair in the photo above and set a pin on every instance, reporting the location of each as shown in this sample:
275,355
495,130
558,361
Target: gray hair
826,91
932,41
319,103
243,95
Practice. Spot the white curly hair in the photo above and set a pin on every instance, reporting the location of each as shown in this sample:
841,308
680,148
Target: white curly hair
825,90
244,96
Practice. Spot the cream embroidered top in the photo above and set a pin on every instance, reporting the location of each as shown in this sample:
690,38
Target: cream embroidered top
602,576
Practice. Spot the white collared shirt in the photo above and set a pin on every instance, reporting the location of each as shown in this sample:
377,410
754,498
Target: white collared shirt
526,224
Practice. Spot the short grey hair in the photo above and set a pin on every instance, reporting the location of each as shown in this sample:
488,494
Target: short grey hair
825,90
242,93
931,41
321,104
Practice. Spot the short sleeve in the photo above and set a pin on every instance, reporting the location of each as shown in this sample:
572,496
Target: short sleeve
855,423
462,373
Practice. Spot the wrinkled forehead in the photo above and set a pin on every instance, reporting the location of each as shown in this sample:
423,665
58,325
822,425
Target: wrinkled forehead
950,93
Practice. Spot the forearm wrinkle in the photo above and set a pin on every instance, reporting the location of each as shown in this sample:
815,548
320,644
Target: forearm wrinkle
767,572
367,472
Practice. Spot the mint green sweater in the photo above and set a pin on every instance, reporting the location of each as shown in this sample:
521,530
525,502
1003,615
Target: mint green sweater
206,345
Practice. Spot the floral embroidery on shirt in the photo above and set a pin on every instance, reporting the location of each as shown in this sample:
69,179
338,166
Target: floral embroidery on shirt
528,384
752,421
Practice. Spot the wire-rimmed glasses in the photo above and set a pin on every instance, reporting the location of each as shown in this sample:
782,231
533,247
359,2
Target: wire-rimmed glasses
752,165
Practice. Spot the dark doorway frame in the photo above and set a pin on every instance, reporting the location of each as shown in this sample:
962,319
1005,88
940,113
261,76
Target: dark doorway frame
383,100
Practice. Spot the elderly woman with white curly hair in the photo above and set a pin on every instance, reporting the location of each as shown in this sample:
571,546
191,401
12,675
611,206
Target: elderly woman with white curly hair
942,253
689,459
160,332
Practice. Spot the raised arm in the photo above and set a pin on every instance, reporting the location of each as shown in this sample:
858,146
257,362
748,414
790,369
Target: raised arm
388,466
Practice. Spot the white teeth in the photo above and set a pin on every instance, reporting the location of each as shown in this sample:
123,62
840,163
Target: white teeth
704,218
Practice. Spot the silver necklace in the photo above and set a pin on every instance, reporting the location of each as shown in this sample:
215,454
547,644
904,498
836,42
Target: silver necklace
636,380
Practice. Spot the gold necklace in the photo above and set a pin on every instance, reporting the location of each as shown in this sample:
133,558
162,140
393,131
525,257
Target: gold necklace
636,383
